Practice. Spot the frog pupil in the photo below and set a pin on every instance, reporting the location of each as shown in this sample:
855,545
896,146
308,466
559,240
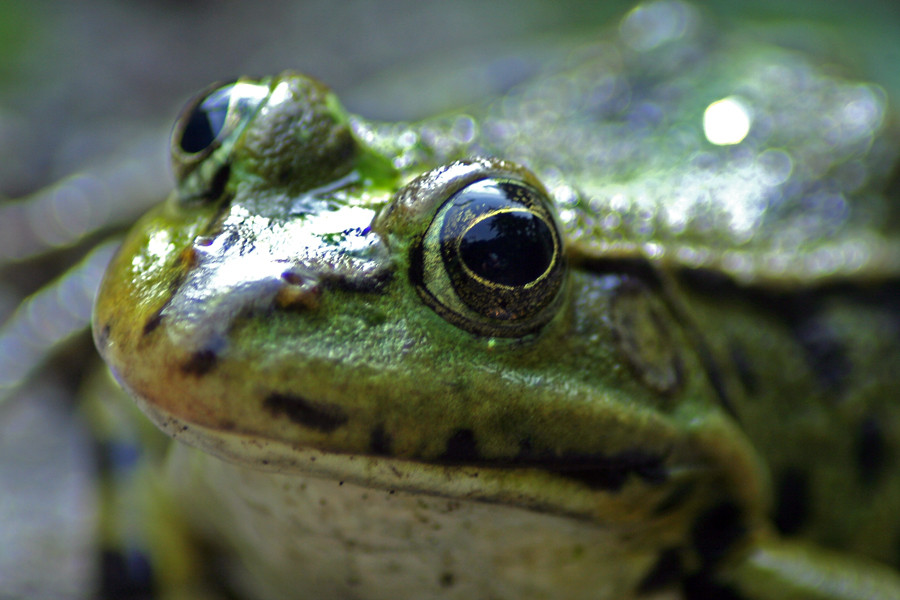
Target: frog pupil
206,121
490,261
508,248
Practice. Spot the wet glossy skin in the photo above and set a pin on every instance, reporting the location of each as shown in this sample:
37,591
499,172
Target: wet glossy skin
693,330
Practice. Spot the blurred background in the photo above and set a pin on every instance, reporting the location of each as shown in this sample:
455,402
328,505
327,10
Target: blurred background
88,92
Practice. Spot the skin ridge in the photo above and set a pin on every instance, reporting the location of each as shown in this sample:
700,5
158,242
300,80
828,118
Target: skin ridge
656,281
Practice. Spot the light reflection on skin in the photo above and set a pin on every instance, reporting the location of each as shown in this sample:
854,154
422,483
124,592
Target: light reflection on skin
727,121
230,279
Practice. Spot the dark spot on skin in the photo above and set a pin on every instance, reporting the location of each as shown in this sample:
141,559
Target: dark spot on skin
792,500
823,351
125,574
200,363
447,580
380,441
667,570
156,319
461,446
744,368
716,530
610,472
218,182
103,337
897,547
525,447
153,322
321,416
716,378
825,354
675,498
597,471
702,587
871,451
715,283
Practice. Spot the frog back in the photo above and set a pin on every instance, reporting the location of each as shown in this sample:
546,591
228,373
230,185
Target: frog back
694,148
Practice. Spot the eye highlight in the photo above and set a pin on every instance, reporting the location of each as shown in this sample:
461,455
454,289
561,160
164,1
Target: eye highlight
491,259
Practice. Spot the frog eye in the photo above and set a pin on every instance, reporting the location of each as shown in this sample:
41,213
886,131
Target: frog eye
491,260
206,131
204,121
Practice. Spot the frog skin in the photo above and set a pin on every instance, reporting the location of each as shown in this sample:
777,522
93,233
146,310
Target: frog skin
565,348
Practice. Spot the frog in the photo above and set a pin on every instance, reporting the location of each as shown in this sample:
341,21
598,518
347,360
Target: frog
628,332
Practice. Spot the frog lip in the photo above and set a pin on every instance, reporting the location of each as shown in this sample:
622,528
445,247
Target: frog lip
597,471
521,482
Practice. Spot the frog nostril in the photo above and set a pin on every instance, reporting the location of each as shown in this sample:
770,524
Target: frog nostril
300,291
294,278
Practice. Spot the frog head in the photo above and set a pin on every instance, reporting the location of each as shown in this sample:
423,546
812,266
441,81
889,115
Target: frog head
325,295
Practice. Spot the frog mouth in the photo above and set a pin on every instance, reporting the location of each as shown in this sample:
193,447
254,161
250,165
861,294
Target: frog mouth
565,484
598,471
